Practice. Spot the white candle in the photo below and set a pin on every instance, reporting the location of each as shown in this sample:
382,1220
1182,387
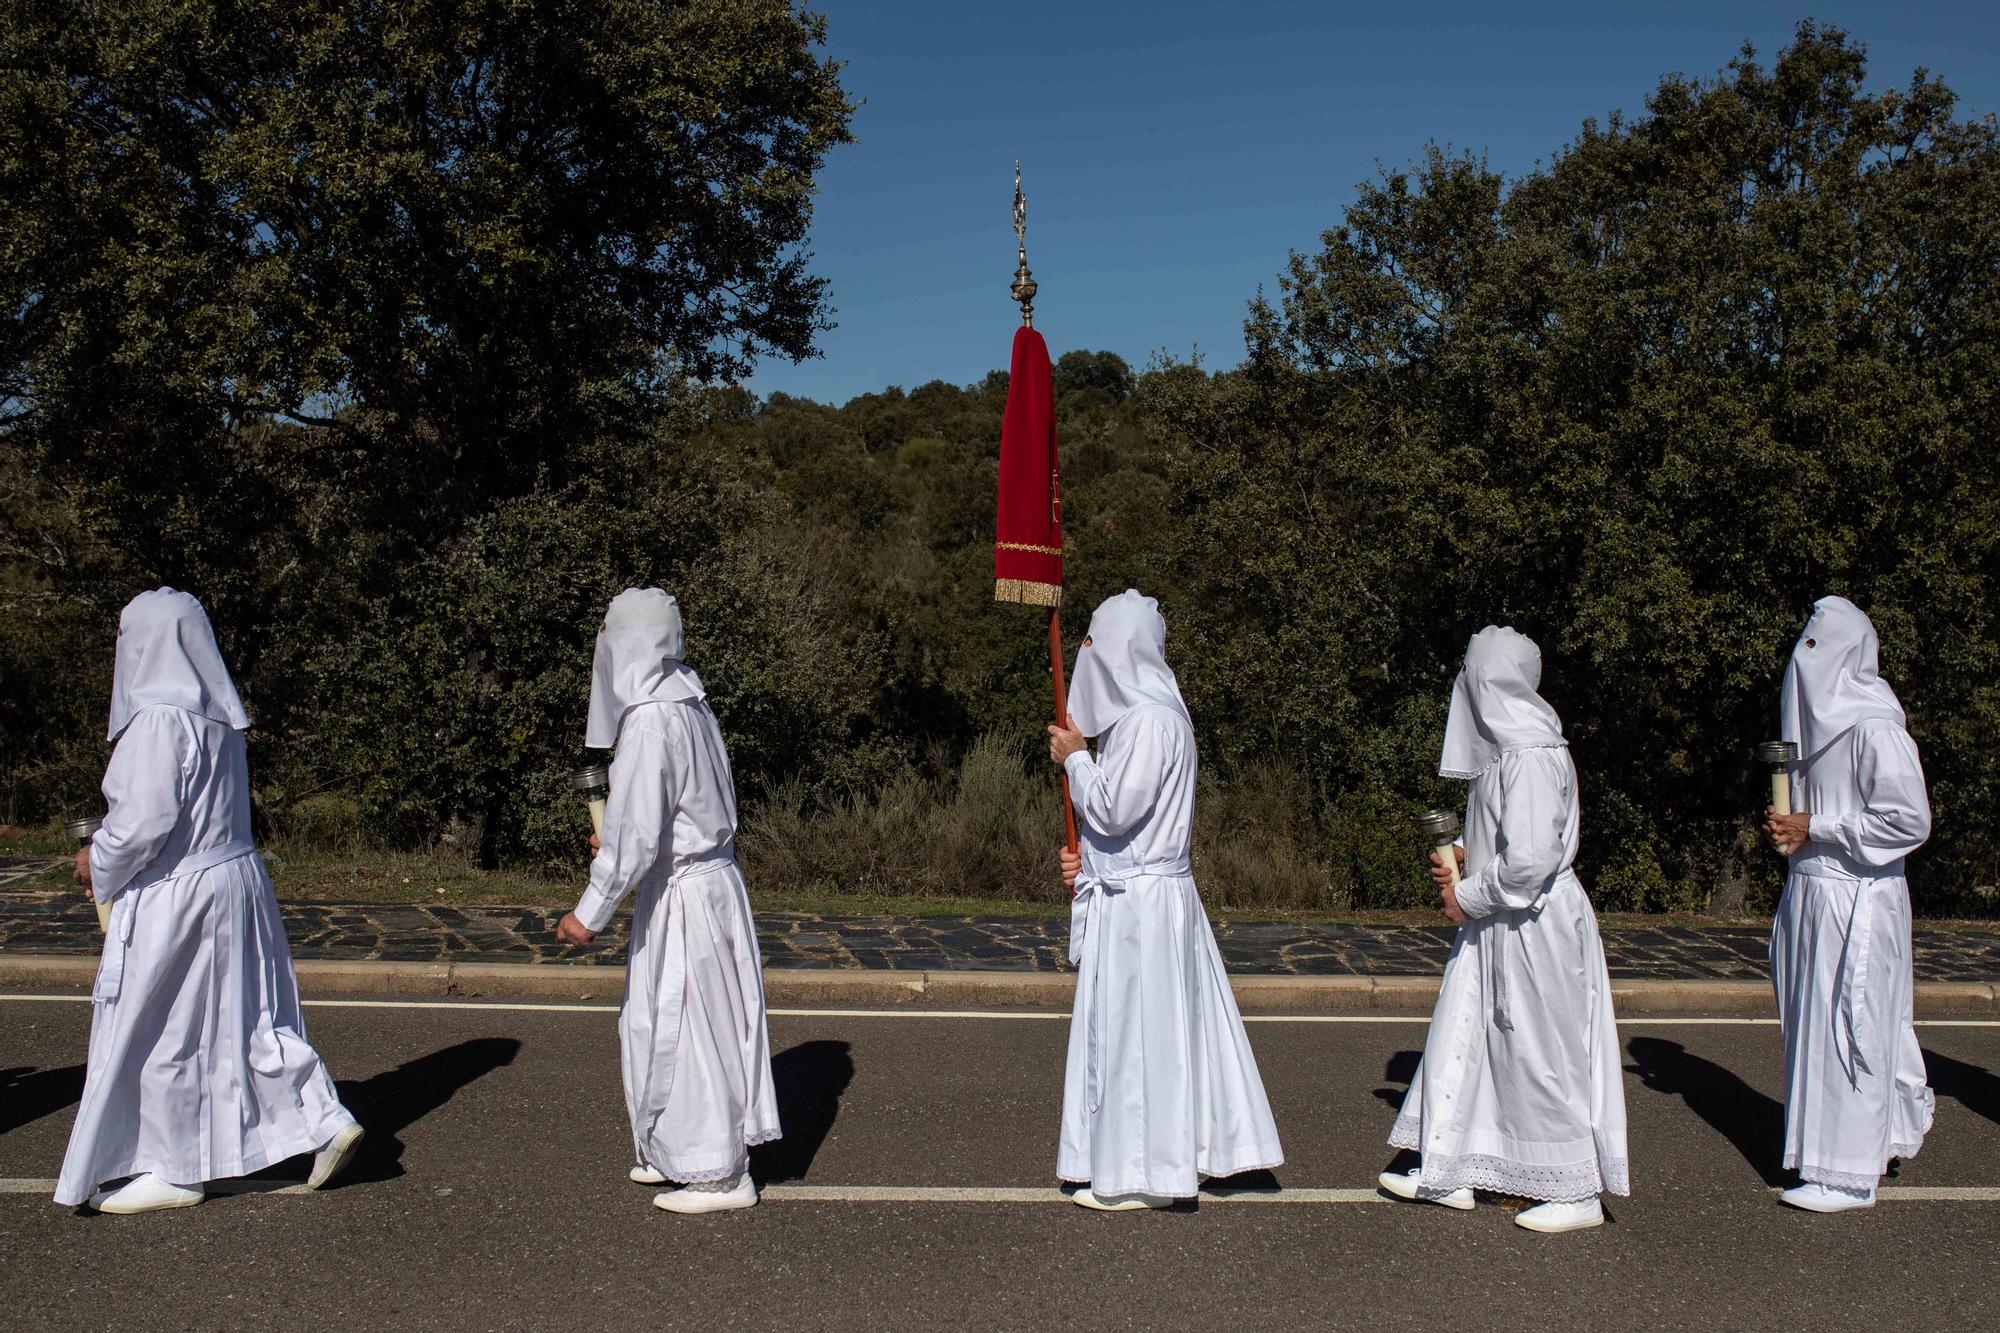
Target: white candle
1779,756
594,784
83,830
1443,826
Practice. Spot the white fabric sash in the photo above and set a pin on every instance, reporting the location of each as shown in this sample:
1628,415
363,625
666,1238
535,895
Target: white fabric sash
670,994
1850,1041
1503,937
1101,876
118,933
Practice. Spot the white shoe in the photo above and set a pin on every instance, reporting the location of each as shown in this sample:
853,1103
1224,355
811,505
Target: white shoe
1406,1184
646,1175
684,1200
146,1194
335,1157
1122,1203
1551,1218
1817,1198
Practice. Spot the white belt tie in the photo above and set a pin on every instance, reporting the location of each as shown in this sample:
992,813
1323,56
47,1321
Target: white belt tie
670,994
118,933
1100,877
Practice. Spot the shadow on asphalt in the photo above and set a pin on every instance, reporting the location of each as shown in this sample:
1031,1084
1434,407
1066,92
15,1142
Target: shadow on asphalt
1752,1122
391,1102
1401,1069
809,1079
1976,1089
27,1094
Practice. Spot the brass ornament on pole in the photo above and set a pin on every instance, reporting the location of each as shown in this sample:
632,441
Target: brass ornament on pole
1024,282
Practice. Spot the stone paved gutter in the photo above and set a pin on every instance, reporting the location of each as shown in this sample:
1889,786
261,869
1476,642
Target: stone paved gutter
51,939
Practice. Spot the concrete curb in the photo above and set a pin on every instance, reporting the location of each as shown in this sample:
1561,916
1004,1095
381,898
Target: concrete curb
863,989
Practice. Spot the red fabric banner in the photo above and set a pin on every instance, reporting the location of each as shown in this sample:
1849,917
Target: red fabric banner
1027,535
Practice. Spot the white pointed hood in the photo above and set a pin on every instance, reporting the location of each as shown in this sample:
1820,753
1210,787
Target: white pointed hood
638,661
1123,665
1833,681
1494,704
167,655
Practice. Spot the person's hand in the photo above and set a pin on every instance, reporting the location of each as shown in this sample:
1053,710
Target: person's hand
1787,832
1064,741
83,871
1448,903
1447,884
570,930
593,844
1072,866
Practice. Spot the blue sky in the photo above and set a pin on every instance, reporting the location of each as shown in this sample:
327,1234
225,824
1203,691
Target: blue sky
1174,153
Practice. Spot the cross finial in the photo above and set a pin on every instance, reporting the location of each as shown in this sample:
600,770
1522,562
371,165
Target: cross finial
1024,283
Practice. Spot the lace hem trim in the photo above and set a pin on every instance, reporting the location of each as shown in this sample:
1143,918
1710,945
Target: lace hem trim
1853,1182
1468,773
736,1168
1567,1183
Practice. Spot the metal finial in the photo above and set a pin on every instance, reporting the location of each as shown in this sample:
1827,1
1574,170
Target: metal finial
1024,282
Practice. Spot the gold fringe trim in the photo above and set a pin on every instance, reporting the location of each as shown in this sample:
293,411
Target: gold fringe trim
1027,546
1027,592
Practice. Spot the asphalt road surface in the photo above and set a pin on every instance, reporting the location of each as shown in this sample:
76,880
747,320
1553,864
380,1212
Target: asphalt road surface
915,1188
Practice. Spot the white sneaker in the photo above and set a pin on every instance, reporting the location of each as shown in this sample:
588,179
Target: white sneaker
1550,1218
685,1200
646,1175
1817,1198
1122,1203
335,1157
146,1194
1406,1184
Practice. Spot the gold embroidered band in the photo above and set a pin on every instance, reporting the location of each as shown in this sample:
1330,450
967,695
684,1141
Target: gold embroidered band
1027,546
1027,591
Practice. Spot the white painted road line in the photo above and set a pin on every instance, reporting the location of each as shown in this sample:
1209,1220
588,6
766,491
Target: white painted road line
1038,1193
1035,1015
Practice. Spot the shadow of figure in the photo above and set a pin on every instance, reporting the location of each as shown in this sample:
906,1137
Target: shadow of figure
28,1094
392,1101
809,1079
1752,1122
1976,1089
1263,1181
1402,1069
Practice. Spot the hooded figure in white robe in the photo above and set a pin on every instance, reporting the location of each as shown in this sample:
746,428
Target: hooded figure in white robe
1519,1090
1161,1087
199,1066
696,1055
1855,1092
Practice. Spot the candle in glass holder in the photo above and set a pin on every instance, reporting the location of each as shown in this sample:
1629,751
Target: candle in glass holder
83,830
1778,756
594,784
1441,827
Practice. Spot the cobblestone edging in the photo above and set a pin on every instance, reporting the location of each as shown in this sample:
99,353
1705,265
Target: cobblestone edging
63,924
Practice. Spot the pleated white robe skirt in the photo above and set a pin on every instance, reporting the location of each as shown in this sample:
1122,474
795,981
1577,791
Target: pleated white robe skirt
200,1068
1855,1091
1519,1090
695,1054
1161,1087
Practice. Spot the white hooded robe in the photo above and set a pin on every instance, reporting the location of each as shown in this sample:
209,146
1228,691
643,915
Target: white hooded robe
1519,1090
695,1055
199,1067
1161,1087
1855,1091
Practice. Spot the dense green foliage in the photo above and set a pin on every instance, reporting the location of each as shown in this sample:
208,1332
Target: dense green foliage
1646,403
397,333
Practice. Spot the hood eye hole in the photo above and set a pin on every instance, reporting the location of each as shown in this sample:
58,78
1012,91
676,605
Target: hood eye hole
1812,643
